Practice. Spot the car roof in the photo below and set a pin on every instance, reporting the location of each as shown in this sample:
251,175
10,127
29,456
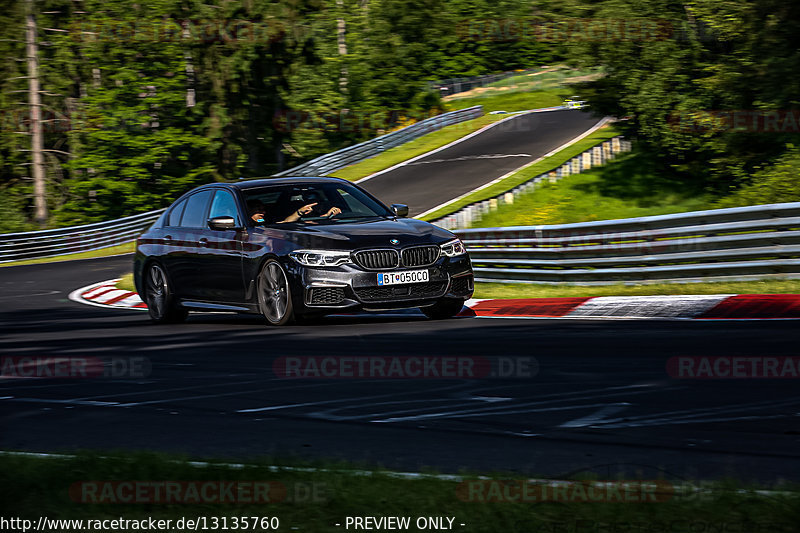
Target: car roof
251,184
264,182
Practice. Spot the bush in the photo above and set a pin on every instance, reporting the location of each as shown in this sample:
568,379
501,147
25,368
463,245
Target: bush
775,184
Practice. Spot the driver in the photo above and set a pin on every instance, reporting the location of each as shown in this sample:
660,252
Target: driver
258,212
307,209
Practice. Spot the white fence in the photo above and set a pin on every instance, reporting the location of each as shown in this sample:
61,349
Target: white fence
595,156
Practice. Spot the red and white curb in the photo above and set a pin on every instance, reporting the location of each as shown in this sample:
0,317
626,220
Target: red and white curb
717,306
106,294
721,306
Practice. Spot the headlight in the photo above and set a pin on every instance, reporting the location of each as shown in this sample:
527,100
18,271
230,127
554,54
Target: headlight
453,248
320,258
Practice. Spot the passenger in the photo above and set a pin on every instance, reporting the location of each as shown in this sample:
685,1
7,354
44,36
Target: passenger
258,212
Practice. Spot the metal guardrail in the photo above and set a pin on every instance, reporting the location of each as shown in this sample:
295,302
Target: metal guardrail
743,243
74,239
88,237
740,243
328,163
453,86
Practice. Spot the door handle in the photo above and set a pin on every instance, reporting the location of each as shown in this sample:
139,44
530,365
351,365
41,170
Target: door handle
168,239
203,242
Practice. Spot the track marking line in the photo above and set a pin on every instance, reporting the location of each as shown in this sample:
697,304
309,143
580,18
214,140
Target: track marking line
446,146
596,417
489,410
357,398
602,122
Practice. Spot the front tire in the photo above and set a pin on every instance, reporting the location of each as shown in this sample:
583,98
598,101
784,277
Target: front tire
444,308
274,294
159,297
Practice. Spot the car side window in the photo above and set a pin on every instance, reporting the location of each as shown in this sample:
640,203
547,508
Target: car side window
224,205
194,215
175,214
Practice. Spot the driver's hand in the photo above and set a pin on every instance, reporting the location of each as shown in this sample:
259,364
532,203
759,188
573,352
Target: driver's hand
306,209
333,211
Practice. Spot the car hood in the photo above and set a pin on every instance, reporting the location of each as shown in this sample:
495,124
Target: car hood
362,234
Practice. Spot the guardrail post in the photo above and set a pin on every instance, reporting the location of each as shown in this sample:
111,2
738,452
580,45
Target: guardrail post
597,156
466,219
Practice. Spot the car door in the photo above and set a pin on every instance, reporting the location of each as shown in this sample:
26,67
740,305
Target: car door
221,269
170,238
189,250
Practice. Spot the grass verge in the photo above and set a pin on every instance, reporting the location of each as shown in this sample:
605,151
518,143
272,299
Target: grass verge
511,100
125,248
536,290
623,188
545,165
126,282
314,500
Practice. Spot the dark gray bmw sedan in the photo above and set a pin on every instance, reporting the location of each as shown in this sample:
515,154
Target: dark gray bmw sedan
296,247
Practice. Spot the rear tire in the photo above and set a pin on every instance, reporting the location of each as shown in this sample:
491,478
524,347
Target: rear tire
160,298
274,294
444,308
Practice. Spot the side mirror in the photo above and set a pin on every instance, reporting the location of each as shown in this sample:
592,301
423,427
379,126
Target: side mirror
222,223
400,210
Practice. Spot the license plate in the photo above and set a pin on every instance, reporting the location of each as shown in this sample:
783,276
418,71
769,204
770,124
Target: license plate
406,276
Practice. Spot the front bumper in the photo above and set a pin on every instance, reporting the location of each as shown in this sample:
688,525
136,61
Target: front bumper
351,287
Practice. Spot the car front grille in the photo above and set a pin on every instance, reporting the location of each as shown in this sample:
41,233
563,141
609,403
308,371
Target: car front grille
326,295
377,259
430,289
418,256
461,285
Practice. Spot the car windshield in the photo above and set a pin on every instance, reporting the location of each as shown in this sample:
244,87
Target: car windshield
311,203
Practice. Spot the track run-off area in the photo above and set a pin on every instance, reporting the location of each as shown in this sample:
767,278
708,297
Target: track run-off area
540,396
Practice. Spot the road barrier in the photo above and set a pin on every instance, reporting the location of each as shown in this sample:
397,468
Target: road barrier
55,242
328,163
453,86
593,157
742,243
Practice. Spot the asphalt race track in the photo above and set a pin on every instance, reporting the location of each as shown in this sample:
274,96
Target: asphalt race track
436,178
601,399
